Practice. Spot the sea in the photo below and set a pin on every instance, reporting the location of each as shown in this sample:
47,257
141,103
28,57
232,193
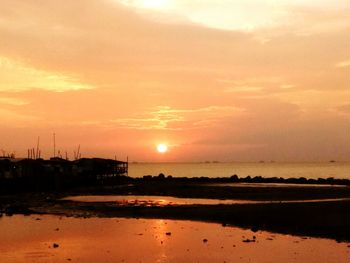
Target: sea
339,170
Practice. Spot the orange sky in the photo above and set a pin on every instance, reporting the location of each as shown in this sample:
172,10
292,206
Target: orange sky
214,80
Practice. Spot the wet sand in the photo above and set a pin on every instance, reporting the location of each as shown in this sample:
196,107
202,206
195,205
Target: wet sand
63,239
330,219
160,201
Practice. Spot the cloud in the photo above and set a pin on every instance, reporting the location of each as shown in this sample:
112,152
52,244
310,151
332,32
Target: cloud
248,15
13,101
167,118
345,109
16,76
343,64
12,118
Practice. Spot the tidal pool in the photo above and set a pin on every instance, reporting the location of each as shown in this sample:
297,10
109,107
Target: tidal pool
68,239
146,200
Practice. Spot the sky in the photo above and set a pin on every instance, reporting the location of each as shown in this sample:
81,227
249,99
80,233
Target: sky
220,80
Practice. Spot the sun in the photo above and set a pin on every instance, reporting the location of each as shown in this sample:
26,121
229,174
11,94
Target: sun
162,148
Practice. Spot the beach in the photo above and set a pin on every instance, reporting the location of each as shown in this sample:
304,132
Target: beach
301,210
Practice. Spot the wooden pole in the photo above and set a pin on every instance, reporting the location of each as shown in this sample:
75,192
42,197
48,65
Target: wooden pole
37,149
54,145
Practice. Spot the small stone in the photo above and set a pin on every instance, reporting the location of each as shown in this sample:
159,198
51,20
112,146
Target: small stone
205,240
168,233
248,240
55,245
254,229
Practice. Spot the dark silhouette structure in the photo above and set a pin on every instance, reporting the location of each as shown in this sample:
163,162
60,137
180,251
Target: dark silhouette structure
57,173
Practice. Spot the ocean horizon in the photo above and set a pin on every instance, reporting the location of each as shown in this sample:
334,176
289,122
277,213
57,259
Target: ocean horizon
312,170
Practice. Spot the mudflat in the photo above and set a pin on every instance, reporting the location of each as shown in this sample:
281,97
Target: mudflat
329,219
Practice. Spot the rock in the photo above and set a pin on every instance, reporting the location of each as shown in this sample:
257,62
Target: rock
55,245
205,240
254,229
168,233
248,240
16,209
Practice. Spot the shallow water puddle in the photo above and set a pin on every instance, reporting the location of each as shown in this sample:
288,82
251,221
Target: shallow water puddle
143,200
152,200
63,239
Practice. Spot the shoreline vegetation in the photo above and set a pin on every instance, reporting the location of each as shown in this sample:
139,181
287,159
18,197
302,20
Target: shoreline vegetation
315,219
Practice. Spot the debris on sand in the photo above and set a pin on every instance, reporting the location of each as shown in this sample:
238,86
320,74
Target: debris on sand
248,240
55,245
168,233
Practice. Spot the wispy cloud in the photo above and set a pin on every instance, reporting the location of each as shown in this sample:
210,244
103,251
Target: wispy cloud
167,118
18,76
343,64
248,15
13,101
243,89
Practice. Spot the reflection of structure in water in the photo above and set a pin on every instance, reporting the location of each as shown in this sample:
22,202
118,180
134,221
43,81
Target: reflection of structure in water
56,173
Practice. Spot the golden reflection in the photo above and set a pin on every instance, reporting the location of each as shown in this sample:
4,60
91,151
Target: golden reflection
31,239
160,232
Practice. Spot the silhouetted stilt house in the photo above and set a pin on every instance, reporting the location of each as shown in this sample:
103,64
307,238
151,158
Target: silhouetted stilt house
56,173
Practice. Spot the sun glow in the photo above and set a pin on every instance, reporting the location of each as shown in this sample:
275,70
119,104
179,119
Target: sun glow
157,4
162,148
148,4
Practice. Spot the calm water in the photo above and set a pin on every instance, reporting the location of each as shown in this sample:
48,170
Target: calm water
285,170
27,239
